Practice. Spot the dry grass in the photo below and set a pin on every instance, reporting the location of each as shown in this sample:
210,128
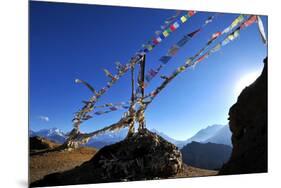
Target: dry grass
58,161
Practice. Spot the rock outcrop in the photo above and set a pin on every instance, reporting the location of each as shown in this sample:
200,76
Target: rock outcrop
143,156
248,124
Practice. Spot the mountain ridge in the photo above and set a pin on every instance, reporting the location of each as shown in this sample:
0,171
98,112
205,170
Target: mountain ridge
207,134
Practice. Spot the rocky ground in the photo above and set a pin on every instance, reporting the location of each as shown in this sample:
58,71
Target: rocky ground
152,158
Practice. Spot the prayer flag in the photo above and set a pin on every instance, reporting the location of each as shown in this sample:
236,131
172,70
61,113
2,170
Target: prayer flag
113,108
188,61
155,41
107,73
165,59
158,39
183,41
261,30
162,36
225,42
215,35
172,28
191,13
99,112
226,30
173,50
249,22
176,25
87,117
209,20
238,20
193,33
158,32
216,48
183,19
165,33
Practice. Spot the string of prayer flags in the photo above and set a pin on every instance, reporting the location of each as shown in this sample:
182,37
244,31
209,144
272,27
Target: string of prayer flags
169,27
261,30
175,48
132,62
237,21
189,61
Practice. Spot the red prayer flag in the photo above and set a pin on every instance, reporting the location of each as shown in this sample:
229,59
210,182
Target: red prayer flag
215,35
249,22
172,27
191,13
155,41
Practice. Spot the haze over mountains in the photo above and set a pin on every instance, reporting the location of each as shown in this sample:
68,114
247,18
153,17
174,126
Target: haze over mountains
219,134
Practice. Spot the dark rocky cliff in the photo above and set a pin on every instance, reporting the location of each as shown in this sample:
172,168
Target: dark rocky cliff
248,124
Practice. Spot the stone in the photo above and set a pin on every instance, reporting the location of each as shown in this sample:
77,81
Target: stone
143,156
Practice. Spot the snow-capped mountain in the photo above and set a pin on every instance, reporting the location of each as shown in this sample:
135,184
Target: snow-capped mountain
201,136
222,136
53,134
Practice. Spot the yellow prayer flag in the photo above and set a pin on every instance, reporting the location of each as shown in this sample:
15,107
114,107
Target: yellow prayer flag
165,33
183,19
231,37
237,21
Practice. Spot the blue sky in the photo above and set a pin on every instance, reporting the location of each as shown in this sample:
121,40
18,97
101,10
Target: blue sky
69,41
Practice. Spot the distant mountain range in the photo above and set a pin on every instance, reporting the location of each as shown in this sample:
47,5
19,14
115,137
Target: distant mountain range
52,134
206,155
215,133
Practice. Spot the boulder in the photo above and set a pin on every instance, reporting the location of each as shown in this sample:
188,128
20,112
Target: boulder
143,156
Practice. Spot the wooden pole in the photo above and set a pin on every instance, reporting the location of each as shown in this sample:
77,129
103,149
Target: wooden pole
141,118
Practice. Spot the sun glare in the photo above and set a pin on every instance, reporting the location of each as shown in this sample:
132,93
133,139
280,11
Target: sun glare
245,81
